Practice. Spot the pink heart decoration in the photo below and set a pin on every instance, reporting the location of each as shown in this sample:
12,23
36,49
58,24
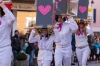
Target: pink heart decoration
44,10
0,22
59,0
82,9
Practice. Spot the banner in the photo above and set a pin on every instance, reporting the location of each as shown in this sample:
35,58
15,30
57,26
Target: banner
82,9
61,7
44,15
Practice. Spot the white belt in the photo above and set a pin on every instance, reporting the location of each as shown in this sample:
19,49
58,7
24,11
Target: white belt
63,46
81,47
46,49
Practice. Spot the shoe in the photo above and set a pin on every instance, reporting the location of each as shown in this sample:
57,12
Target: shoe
72,63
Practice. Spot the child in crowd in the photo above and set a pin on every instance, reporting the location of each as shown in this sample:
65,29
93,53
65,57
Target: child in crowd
97,50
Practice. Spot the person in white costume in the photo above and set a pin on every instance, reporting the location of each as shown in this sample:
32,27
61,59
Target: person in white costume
45,44
63,51
82,47
6,22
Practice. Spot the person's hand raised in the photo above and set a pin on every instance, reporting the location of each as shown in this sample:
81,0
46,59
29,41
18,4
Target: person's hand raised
34,28
55,27
2,5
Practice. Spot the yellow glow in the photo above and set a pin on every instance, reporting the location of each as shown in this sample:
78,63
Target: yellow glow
90,10
21,21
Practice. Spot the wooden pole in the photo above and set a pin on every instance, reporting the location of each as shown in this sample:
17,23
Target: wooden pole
68,7
54,12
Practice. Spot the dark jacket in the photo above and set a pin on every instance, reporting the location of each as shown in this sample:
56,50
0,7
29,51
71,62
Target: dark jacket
16,43
29,48
90,41
73,43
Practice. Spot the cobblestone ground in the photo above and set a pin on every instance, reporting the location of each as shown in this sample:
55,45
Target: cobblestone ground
91,64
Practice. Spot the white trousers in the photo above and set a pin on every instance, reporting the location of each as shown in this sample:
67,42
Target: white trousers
73,55
5,56
44,63
63,55
82,55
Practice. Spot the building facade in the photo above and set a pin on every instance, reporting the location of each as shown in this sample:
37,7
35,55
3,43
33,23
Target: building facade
96,25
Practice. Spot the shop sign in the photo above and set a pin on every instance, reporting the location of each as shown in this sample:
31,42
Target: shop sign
20,6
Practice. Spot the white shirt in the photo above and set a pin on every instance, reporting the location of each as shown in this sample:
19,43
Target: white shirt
45,49
5,28
82,40
66,32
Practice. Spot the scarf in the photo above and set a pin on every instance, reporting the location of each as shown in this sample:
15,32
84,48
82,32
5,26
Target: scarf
43,41
59,26
80,33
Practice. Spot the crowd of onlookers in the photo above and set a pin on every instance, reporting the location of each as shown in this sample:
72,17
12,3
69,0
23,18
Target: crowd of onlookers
20,43
94,44
95,49
32,49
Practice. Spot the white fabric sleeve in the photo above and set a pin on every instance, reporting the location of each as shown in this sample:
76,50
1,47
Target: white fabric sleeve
73,25
89,30
56,36
32,38
9,16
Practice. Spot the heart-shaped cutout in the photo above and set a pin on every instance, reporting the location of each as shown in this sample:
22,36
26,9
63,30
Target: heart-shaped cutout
44,10
82,9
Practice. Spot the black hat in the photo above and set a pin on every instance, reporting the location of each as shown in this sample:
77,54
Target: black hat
58,16
2,12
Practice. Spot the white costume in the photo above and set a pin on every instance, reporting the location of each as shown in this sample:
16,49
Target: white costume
63,49
82,48
45,48
5,42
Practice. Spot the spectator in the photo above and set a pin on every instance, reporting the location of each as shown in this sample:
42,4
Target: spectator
90,42
25,46
16,44
97,50
73,48
99,40
30,50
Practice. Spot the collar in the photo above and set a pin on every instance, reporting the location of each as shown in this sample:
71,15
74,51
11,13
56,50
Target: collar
62,23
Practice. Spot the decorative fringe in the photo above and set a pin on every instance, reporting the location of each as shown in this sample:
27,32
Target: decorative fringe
50,31
79,21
